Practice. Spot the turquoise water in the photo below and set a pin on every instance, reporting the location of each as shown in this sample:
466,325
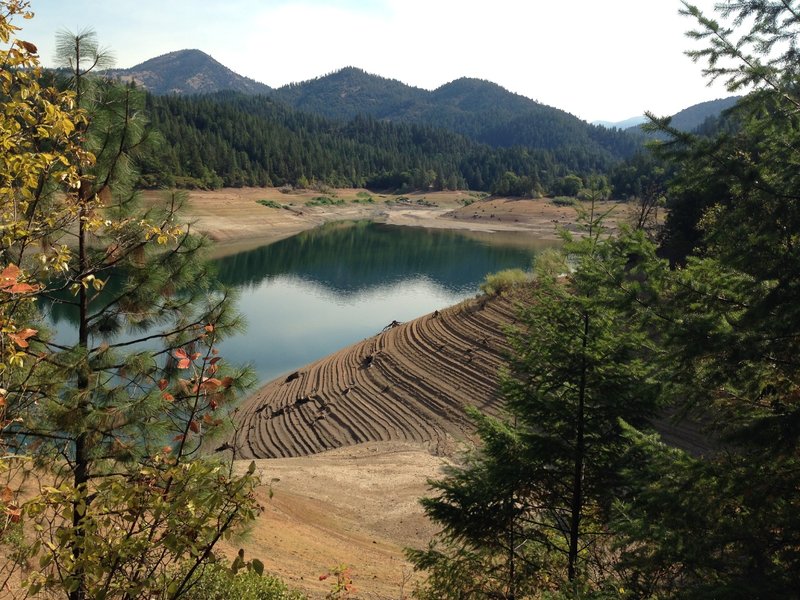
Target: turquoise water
321,290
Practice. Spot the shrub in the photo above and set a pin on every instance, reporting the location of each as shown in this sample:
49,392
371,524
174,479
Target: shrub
270,203
564,201
219,582
497,283
325,201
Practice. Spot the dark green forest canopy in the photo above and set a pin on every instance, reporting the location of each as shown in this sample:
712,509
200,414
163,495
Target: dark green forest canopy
231,139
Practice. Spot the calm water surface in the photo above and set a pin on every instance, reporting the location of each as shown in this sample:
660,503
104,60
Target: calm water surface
321,290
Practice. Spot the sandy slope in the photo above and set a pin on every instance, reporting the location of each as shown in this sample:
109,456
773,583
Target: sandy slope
352,438
235,221
409,383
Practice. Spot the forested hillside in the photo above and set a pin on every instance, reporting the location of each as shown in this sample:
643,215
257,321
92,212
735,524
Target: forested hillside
230,139
481,110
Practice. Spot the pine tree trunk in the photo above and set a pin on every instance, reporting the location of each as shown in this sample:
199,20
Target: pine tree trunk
576,504
81,467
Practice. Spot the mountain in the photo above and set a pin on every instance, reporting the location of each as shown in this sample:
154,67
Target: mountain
478,109
350,92
187,72
693,117
626,124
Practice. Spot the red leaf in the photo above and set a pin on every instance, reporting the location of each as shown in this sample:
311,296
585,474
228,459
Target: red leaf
20,337
209,328
194,426
22,288
226,382
31,48
210,384
168,397
178,438
162,384
9,276
180,353
215,360
184,363
15,513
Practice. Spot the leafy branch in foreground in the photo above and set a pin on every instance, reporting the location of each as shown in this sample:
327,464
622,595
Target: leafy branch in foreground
104,492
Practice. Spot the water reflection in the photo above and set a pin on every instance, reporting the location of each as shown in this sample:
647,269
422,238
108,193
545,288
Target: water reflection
350,258
314,293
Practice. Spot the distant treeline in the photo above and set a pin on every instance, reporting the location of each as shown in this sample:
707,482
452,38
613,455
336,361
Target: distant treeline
233,140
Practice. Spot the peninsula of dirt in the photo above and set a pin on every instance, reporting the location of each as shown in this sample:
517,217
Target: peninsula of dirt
346,445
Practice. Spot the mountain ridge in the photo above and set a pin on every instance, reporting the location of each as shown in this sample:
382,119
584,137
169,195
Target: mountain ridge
188,71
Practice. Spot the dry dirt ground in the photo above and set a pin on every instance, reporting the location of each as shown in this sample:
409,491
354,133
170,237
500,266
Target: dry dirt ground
350,441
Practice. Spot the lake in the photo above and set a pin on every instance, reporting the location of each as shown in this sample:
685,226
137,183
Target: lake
321,290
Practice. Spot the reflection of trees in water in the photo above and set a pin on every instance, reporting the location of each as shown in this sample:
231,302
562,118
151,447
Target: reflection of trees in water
353,257
347,258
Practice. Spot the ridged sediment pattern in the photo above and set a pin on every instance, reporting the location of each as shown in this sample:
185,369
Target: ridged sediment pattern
410,382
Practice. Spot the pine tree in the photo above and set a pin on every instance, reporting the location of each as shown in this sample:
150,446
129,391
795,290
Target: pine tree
124,506
725,524
579,367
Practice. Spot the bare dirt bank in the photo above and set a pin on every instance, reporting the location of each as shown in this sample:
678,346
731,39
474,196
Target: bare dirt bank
351,440
235,220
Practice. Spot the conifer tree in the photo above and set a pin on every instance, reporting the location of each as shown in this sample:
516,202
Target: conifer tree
116,501
579,367
725,523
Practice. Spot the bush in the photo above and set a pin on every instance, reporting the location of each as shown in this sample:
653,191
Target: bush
219,582
564,201
325,201
497,283
270,203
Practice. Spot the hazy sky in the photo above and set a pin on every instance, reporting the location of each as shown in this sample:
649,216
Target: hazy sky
598,59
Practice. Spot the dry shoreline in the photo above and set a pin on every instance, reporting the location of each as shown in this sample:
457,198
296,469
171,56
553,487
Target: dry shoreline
361,431
235,220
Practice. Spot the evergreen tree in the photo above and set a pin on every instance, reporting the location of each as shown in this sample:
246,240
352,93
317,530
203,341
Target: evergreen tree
725,524
113,420
578,367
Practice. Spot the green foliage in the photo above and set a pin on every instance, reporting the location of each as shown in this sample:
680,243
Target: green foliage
258,141
723,522
325,201
569,185
496,283
486,549
270,203
111,491
530,510
218,582
480,110
564,201
714,342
